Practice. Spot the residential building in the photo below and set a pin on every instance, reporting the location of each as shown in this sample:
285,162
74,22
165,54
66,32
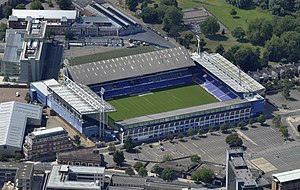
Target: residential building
238,175
46,143
76,177
14,116
289,180
21,174
81,157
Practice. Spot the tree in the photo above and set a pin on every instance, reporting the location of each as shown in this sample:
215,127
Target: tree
233,12
205,175
195,158
189,36
17,157
37,156
118,157
129,171
220,49
77,140
167,157
224,127
167,174
201,131
172,20
27,97
286,93
132,4
241,124
251,121
64,4
2,30
138,165
143,172
111,147
128,144
242,4
50,33
284,131
259,31
233,140
69,35
191,132
21,6
276,121
50,4
210,26
3,157
157,169
36,5
239,33
6,11
169,3
276,48
261,119
150,15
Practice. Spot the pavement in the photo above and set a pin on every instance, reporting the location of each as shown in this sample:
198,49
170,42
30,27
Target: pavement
9,94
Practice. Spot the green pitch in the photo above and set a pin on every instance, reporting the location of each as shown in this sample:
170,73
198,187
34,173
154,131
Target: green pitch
160,101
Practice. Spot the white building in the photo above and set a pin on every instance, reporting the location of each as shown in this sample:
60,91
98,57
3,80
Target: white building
14,116
76,177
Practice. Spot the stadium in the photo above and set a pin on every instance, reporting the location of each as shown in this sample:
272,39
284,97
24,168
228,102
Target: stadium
169,91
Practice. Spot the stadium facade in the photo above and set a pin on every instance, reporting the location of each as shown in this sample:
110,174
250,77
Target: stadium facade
239,95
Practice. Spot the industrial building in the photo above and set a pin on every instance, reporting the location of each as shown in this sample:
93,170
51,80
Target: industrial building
289,180
76,177
14,117
46,144
238,94
20,174
75,103
238,175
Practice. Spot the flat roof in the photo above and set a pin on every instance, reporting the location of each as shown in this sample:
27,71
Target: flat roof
13,118
228,73
48,131
42,85
24,170
131,66
55,181
14,43
181,111
287,176
46,14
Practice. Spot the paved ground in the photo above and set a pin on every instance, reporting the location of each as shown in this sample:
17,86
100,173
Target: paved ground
279,100
87,50
9,94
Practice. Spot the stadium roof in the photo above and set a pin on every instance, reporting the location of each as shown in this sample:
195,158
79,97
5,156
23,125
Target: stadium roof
228,73
13,118
131,66
46,14
287,176
82,100
178,112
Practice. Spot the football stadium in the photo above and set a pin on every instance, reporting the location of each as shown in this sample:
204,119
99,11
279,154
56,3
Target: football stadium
169,91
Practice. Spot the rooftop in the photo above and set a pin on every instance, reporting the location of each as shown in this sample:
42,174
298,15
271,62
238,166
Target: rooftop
46,14
48,131
228,73
287,176
14,44
131,66
24,170
13,119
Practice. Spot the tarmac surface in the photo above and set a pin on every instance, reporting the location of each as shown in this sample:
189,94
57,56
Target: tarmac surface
9,94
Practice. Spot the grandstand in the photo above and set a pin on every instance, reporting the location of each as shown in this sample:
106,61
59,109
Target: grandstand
157,78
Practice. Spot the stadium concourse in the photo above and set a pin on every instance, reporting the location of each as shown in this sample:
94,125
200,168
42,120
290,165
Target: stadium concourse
133,83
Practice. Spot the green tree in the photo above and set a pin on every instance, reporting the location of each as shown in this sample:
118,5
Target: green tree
128,144
21,6
167,174
143,172
2,30
169,3
77,140
241,124
69,35
238,33
150,15
286,93
17,157
276,48
220,49
191,132
251,121
201,131
167,157
210,26
36,5
111,147
138,165
284,131
276,121
259,31
224,127
27,97
65,4
233,140
50,4
37,156
205,175
132,4
189,36
50,33
261,119
3,157
157,169
118,157
233,12
172,19
195,158
6,11
129,171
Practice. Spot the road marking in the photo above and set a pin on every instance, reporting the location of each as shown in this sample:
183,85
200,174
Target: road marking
195,145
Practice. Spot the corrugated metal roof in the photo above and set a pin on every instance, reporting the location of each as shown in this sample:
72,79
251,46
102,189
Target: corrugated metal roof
13,118
287,176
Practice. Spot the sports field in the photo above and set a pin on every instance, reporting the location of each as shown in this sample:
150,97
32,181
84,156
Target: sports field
160,101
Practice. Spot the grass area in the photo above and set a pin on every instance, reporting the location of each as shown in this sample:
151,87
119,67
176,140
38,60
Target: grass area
160,101
111,54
